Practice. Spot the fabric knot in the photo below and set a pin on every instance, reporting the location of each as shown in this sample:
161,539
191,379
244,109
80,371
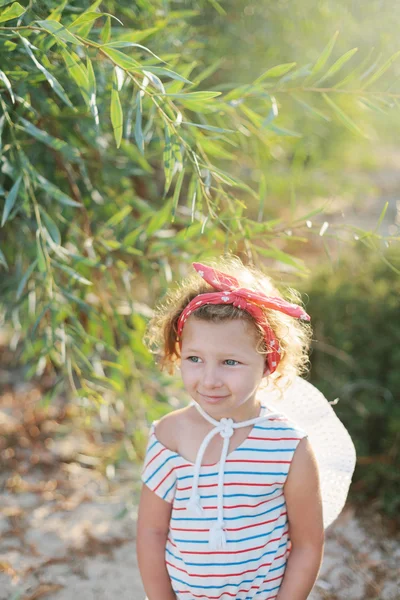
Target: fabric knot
226,428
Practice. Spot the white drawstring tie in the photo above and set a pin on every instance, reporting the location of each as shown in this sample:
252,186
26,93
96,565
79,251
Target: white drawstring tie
225,428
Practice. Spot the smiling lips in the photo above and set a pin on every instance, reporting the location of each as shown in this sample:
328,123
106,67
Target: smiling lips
213,398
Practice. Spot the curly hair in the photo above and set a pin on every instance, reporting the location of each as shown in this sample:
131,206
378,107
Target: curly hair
293,335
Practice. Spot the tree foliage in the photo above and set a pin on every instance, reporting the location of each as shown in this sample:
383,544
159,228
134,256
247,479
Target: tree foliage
119,163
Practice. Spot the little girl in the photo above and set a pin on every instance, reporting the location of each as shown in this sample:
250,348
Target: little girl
231,505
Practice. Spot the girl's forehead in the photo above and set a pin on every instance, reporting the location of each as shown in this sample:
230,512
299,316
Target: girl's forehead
225,334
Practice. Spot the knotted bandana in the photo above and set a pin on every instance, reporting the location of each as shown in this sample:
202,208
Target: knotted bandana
230,292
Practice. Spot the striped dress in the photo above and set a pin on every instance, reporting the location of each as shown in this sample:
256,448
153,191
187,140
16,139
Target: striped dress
256,524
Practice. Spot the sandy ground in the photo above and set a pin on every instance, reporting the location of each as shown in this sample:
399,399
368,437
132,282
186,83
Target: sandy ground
68,529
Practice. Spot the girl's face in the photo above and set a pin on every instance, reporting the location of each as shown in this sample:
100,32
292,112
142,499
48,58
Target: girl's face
221,369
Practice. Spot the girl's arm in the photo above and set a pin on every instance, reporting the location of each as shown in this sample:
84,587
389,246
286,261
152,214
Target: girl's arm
152,532
306,529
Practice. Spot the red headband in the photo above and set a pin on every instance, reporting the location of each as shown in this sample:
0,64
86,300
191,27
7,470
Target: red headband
229,292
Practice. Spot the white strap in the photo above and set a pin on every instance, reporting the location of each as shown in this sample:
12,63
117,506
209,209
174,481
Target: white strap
225,427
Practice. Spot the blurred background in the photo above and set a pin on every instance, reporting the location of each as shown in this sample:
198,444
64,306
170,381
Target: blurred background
137,138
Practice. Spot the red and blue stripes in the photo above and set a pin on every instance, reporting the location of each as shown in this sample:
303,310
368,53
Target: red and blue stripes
256,524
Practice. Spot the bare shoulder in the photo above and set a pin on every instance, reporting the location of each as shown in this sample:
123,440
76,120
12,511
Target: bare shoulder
168,428
303,468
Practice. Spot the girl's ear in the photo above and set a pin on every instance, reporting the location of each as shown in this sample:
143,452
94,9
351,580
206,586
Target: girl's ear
266,372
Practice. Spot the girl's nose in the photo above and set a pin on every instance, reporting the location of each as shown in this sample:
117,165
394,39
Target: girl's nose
211,377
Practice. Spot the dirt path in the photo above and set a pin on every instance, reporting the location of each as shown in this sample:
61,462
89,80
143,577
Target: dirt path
67,530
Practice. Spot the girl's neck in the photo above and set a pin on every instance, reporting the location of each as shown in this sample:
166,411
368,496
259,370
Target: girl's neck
245,412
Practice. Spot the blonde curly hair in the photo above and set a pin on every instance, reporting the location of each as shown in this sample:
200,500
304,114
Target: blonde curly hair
294,336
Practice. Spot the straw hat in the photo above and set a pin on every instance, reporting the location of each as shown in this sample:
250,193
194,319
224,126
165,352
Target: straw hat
308,408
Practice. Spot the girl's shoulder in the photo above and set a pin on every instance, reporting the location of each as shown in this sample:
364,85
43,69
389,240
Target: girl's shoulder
168,428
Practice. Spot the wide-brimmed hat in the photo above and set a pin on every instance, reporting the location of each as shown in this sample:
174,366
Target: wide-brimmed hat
306,406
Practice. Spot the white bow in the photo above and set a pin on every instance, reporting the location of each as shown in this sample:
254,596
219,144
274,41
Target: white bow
225,428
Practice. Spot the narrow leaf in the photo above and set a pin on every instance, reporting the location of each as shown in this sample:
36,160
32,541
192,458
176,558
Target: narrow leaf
177,192
59,31
24,280
12,12
337,65
74,274
159,218
77,71
117,118
3,260
51,227
163,71
167,159
55,14
327,51
6,81
55,85
106,31
208,127
195,95
139,138
349,123
382,216
123,44
276,71
382,70
40,255
54,191
11,198
69,152
92,91
311,109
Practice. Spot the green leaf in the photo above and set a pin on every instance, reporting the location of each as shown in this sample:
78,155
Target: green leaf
382,70
310,108
77,71
2,122
51,227
6,81
177,192
54,191
167,160
381,217
92,91
89,17
281,256
195,95
163,71
122,60
59,145
74,274
208,127
276,71
24,280
106,31
118,217
3,260
282,131
139,138
59,31
337,65
11,198
117,118
320,63
345,119
159,218
122,44
12,12
55,14
54,84
40,255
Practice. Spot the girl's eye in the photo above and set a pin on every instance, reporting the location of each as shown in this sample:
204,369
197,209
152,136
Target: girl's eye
231,362
193,359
